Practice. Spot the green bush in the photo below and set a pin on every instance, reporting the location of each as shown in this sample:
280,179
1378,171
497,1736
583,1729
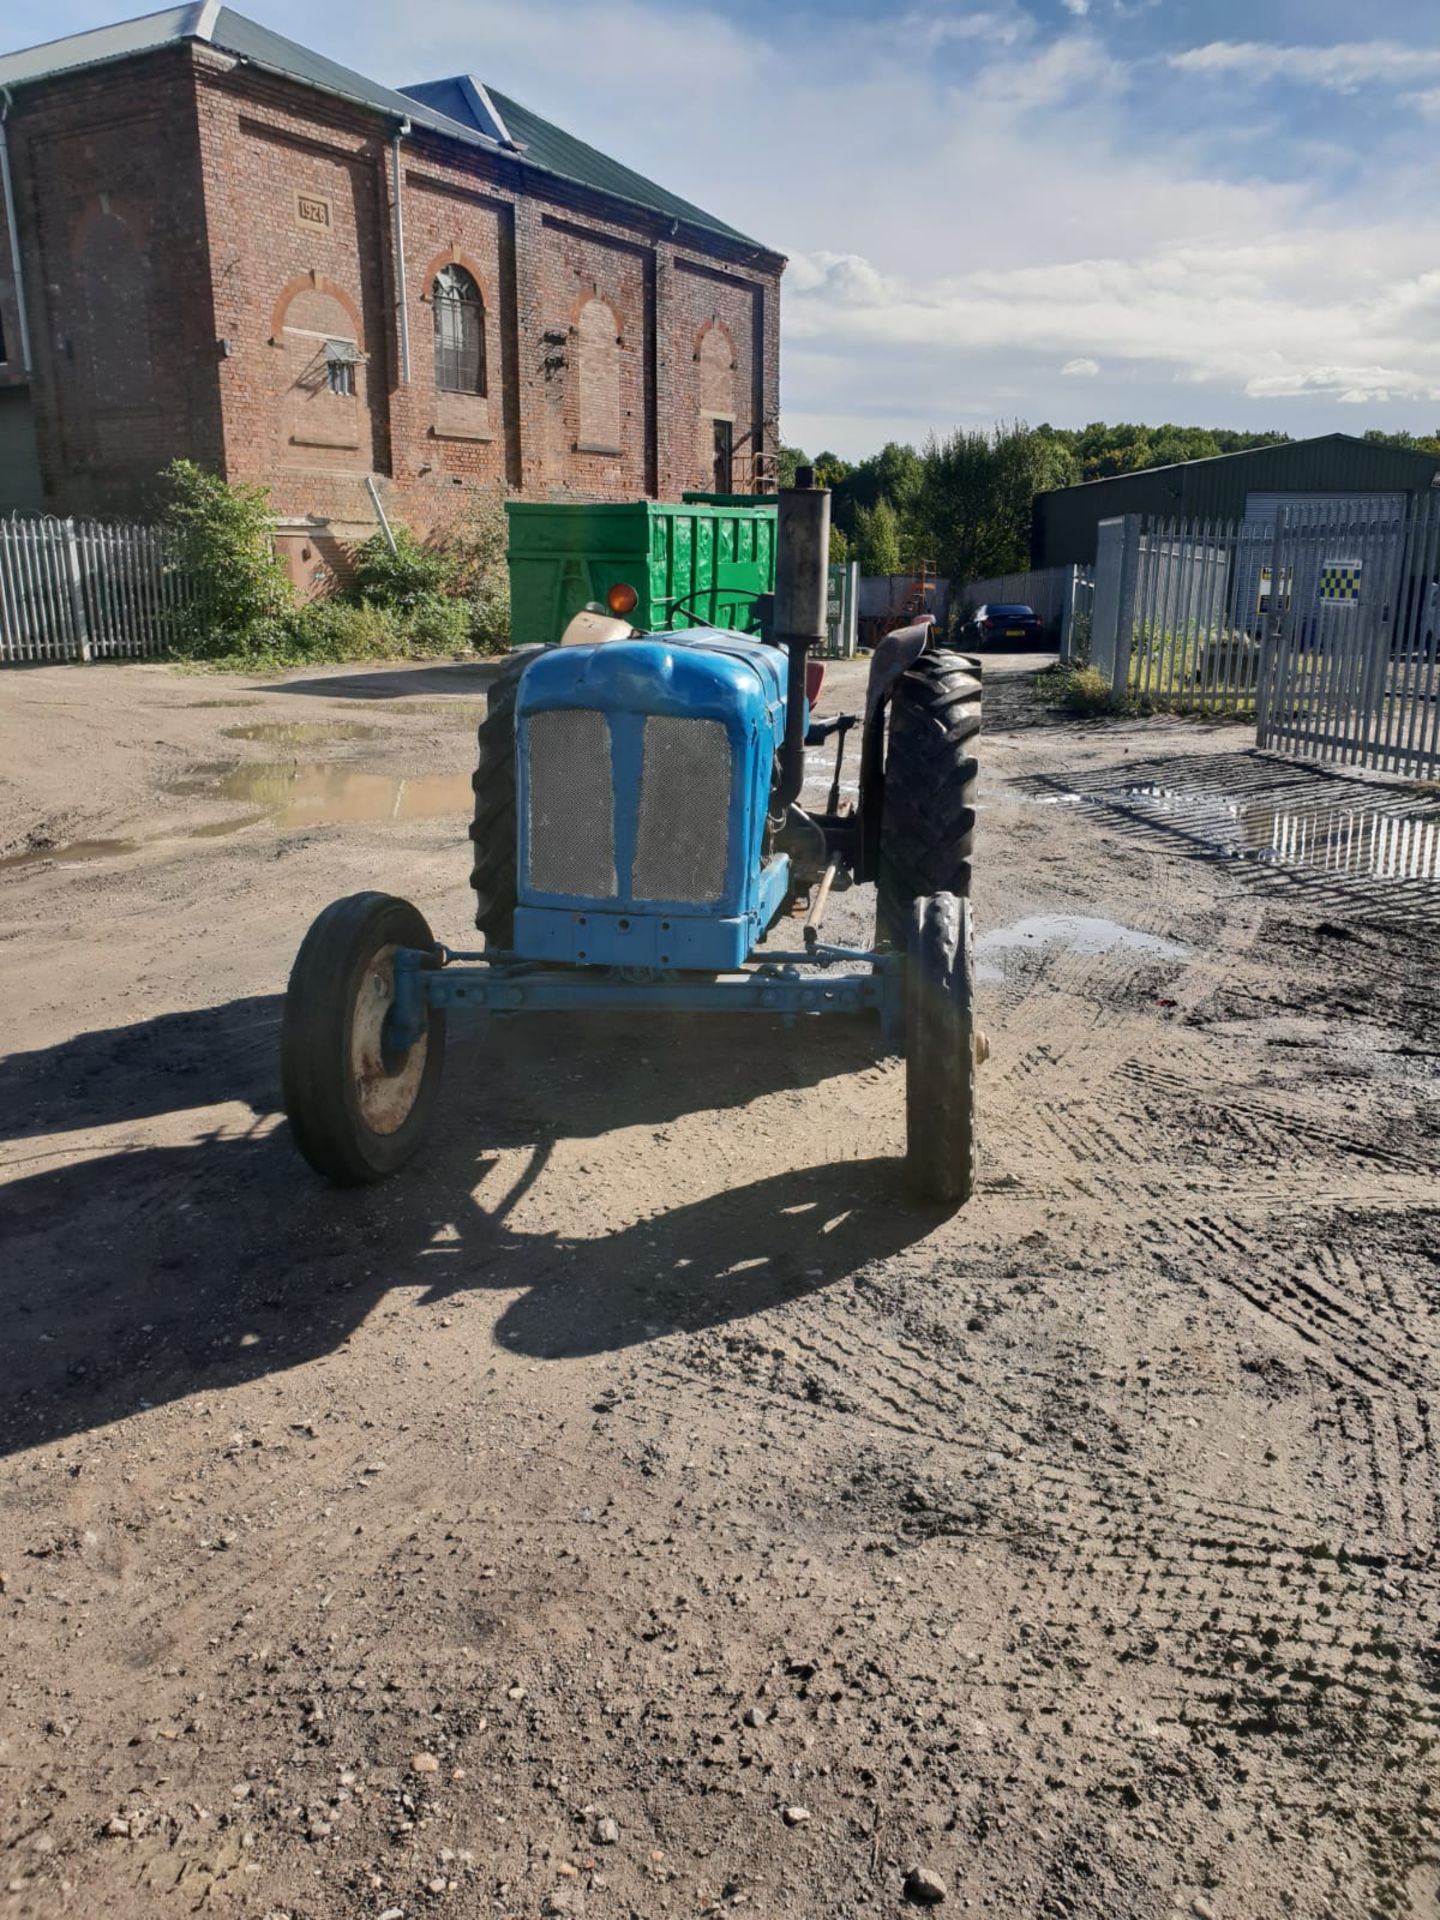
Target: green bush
242,593
436,624
452,590
340,630
403,579
489,606
449,596
475,545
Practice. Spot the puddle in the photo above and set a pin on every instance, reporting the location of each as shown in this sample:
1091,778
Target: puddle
291,794
74,853
300,733
1075,932
1363,842
1368,843
282,795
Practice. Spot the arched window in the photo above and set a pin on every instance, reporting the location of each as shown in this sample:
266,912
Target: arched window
459,332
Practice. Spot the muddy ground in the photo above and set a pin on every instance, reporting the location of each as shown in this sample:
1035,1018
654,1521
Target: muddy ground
639,1508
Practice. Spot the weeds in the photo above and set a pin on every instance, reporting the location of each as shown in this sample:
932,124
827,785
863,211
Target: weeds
448,596
1080,690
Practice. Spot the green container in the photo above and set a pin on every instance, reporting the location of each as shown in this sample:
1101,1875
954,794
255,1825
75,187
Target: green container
693,565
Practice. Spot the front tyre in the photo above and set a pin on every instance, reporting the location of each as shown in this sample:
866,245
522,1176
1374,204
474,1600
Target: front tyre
357,1110
940,1050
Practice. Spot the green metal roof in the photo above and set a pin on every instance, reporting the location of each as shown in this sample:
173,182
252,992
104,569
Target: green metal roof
234,33
545,145
460,108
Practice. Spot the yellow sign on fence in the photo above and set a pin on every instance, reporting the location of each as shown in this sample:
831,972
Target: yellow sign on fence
1340,582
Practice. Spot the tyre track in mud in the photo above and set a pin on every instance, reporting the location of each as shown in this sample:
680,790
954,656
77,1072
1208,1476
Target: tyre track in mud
648,1455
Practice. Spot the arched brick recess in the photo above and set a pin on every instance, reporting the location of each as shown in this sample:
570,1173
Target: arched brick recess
597,377
592,299
314,283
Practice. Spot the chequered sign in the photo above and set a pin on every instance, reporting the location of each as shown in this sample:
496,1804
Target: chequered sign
1340,582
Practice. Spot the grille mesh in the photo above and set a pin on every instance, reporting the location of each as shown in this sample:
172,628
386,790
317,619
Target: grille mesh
571,810
684,807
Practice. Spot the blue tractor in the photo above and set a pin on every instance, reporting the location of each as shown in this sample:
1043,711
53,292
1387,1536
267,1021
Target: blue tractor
638,838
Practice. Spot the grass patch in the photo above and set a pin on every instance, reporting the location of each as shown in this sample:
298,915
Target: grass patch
1081,690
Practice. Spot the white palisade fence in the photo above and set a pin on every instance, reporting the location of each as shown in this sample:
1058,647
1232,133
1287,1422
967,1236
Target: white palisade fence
87,590
1324,624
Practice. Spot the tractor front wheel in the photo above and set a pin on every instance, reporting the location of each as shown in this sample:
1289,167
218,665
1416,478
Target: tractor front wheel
357,1108
940,1050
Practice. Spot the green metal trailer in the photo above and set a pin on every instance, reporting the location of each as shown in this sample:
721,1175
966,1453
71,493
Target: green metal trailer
692,564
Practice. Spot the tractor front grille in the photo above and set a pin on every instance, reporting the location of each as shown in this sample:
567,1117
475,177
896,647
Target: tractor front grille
682,833
571,813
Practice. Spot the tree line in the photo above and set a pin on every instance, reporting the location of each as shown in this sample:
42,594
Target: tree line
962,503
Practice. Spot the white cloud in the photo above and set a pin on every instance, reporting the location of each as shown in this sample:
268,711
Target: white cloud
1353,386
1268,318
1343,67
846,278
1078,7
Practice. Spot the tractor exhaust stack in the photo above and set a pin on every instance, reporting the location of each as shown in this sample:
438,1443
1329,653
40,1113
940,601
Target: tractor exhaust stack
802,560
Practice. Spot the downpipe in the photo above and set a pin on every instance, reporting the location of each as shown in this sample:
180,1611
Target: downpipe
802,560
17,269
402,310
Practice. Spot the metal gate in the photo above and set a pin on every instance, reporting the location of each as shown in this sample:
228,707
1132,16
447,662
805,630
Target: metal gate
1350,666
87,590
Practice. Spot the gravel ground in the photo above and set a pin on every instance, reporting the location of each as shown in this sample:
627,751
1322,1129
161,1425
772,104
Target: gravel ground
638,1507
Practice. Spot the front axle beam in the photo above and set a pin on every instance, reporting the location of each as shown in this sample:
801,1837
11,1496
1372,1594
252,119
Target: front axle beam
502,983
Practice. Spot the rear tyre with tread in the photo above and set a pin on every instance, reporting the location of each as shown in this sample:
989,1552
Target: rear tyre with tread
357,1111
940,1051
493,828
927,816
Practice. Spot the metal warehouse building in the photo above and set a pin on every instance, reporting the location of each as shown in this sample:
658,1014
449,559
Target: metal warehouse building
1233,486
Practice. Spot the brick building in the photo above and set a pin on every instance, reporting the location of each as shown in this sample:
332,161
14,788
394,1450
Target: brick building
227,247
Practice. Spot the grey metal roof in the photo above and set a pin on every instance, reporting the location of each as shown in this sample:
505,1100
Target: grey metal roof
1064,521
100,44
545,145
1286,451
460,108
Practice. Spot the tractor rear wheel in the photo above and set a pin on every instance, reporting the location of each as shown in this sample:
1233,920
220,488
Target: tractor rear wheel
927,814
493,829
940,1050
357,1110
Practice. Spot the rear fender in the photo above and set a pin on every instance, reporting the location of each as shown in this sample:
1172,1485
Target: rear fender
897,652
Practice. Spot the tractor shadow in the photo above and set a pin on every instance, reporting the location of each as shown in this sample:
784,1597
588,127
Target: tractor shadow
466,677
156,1271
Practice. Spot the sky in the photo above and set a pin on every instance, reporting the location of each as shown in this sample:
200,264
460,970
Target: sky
1210,211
